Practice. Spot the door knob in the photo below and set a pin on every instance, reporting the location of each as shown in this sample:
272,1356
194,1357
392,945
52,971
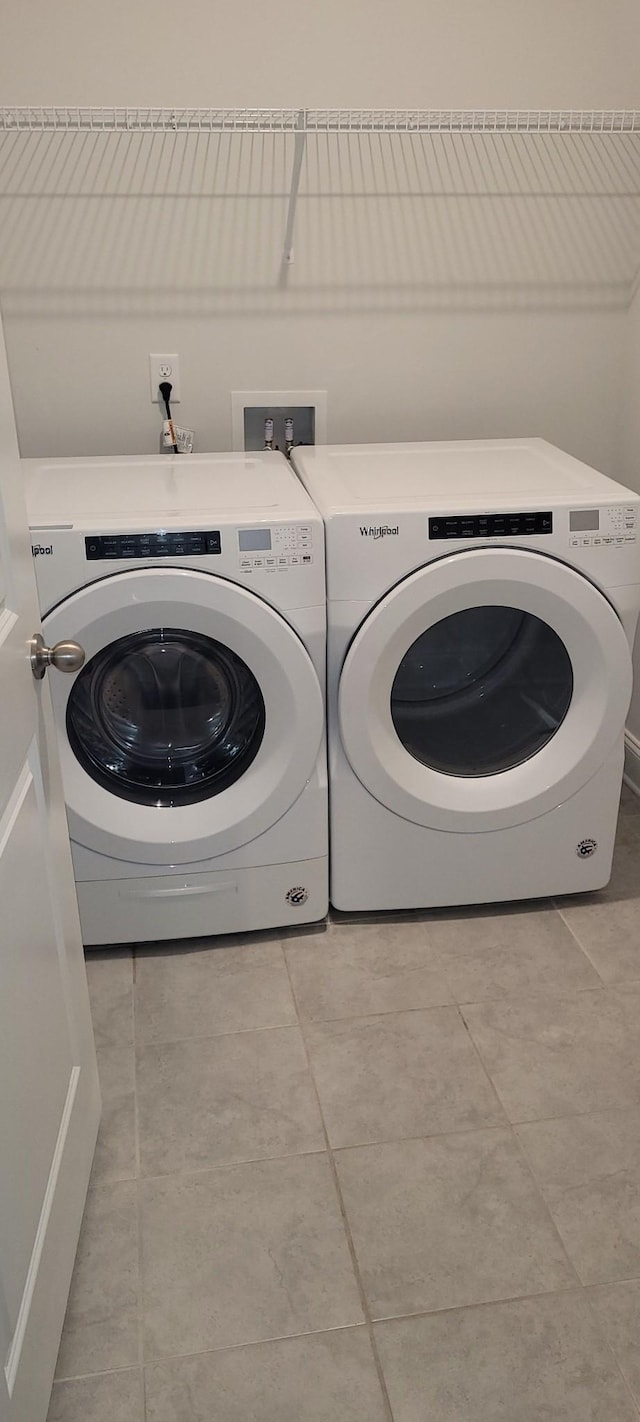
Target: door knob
65,656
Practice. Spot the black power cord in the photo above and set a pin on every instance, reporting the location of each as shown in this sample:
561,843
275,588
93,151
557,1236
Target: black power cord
165,387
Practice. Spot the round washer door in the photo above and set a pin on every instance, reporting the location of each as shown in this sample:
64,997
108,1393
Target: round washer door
195,722
484,689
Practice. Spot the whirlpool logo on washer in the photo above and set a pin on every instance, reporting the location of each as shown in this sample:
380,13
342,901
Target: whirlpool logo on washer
379,530
40,550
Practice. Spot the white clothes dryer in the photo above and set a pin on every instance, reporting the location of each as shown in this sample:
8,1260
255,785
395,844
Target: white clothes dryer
482,603
192,740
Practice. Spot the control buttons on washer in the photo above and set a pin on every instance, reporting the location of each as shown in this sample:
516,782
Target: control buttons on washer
507,525
276,565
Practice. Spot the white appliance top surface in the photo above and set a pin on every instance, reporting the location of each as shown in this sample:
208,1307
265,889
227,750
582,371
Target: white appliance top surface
232,487
461,474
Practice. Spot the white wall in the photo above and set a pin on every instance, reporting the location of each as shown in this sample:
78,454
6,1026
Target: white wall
439,289
424,53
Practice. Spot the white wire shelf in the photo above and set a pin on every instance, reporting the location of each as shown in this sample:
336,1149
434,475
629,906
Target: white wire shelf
79,119
302,124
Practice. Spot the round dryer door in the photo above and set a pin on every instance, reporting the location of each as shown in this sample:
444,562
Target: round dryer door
195,722
484,689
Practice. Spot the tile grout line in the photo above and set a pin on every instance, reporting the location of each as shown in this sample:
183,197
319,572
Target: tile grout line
606,983
483,1067
539,1191
386,1402
483,1304
635,1402
525,1160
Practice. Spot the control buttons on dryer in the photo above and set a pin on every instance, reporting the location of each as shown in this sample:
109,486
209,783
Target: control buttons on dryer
509,525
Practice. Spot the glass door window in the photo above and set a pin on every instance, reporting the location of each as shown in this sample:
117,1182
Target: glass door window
165,717
481,691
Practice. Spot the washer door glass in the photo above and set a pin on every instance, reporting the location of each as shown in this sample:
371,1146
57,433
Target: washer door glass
481,691
165,717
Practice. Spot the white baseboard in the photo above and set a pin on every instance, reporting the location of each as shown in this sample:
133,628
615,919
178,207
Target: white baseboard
632,762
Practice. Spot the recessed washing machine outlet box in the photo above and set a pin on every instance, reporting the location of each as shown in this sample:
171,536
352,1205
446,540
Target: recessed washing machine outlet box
250,409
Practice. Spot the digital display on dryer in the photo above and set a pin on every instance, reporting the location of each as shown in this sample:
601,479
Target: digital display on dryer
254,540
584,520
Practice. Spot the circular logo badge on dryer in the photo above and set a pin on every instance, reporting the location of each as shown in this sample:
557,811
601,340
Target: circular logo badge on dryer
297,896
586,848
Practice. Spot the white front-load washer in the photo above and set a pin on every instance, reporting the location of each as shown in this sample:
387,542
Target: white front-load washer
482,603
192,739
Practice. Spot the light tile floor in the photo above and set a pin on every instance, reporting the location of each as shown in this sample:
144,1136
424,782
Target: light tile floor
389,1169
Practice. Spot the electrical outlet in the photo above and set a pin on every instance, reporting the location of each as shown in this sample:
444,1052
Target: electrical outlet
164,367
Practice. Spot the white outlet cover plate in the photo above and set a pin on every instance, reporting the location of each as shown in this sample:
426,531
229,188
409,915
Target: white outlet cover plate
241,399
157,364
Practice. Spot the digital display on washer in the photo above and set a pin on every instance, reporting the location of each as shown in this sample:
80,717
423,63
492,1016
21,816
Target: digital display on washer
583,520
490,525
254,540
159,544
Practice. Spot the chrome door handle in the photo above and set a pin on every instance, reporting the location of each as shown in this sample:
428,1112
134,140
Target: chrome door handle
65,656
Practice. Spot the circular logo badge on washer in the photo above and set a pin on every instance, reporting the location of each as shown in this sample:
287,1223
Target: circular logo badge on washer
586,848
297,896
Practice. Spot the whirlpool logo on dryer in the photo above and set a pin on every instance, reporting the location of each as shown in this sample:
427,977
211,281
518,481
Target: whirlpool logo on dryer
40,550
379,530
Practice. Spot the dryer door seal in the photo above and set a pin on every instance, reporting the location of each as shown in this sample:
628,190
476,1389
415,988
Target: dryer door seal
484,689
281,692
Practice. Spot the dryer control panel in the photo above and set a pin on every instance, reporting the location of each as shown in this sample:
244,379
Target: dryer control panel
198,544
275,549
600,528
494,525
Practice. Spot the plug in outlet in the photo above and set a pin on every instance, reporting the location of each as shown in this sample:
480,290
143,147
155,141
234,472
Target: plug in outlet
164,367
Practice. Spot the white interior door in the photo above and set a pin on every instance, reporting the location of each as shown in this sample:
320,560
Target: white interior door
49,1097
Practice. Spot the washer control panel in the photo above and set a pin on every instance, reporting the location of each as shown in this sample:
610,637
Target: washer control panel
604,527
158,544
494,525
275,549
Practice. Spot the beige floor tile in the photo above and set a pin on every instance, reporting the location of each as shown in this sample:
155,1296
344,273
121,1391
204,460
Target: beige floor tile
233,986
628,831
365,968
402,1074
629,801
513,953
325,1377
558,1056
108,1397
101,1326
448,1221
115,1157
214,1100
243,1253
110,979
617,1307
588,1168
610,933
524,1361
625,874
